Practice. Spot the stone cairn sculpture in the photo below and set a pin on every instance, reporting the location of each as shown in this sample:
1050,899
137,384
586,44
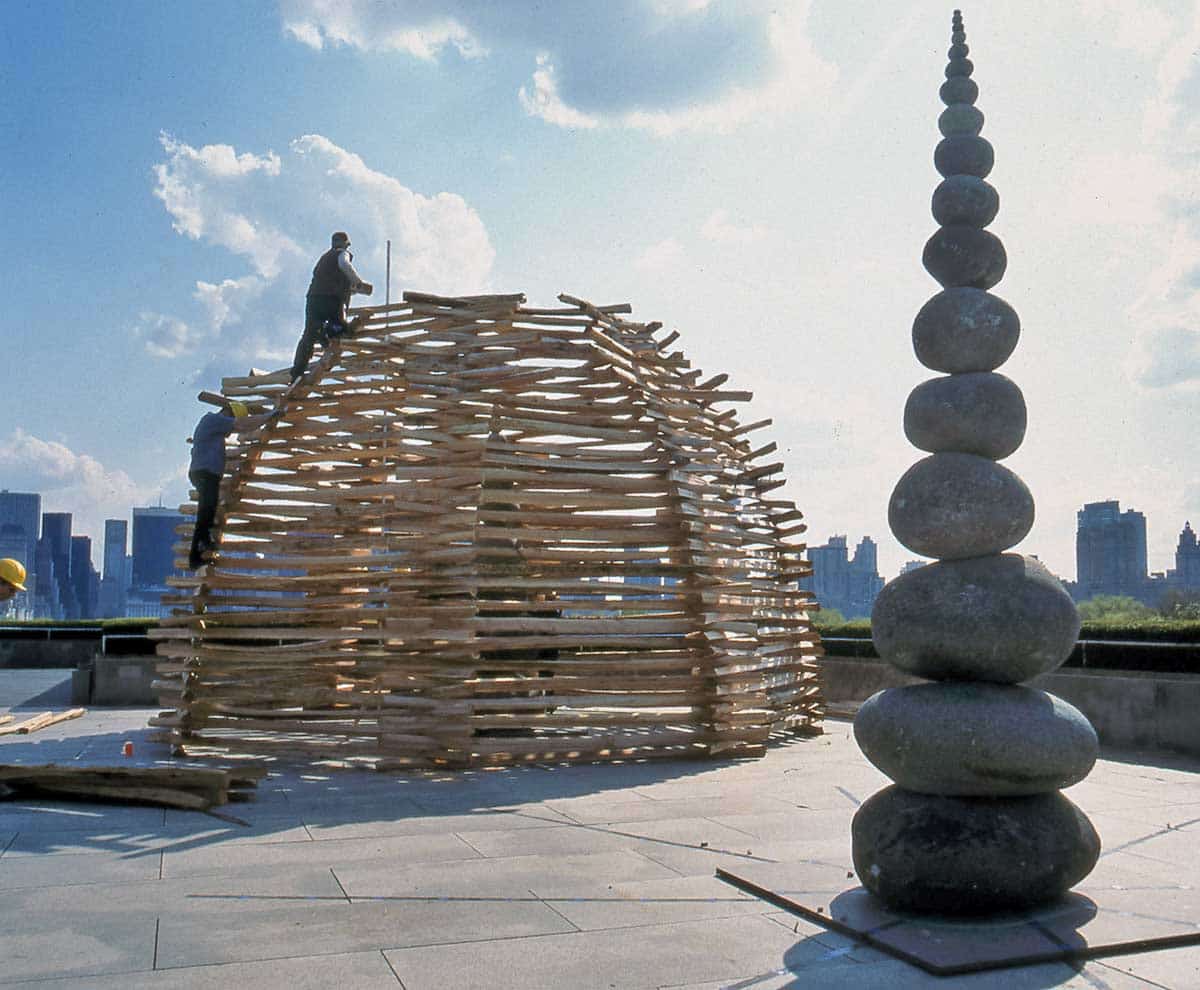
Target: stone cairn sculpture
975,822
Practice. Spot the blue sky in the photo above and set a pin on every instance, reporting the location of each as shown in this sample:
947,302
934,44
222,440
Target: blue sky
755,176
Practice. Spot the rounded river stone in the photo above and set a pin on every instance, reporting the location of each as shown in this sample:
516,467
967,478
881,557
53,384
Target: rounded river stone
954,505
959,67
964,154
965,199
960,118
958,51
976,413
1003,618
959,255
974,740
964,329
959,89
955,855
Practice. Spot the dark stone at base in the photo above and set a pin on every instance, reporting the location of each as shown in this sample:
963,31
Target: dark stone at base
952,506
964,154
971,739
961,330
959,255
960,89
925,853
965,199
981,413
1003,618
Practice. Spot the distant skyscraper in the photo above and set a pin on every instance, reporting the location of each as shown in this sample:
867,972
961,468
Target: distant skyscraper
1110,551
848,584
1186,576
114,584
20,518
153,545
84,579
56,530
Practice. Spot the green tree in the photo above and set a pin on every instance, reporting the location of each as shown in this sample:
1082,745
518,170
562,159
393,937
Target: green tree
1183,605
1114,608
827,617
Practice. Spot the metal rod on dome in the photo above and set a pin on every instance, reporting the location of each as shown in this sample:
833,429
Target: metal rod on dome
387,278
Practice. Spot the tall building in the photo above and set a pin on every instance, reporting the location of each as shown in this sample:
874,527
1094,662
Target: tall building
1186,576
1110,552
153,546
84,579
56,531
114,582
839,581
20,518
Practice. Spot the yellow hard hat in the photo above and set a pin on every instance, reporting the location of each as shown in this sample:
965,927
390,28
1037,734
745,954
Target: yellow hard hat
13,572
238,408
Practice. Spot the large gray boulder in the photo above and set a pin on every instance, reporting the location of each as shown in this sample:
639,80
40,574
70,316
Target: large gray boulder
954,855
979,413
953,506
964,329
963,255
965,199
971,739
1003,618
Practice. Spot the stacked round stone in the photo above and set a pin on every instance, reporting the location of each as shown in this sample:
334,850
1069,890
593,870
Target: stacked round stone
975,822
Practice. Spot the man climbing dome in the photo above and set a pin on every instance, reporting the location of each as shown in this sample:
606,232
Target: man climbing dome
12,578
334,280
208,464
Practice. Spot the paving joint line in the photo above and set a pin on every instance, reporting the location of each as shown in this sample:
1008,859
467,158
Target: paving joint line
388,963
541,900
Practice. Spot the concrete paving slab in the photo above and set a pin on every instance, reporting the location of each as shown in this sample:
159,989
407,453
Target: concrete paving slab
191,896
727,949
250,859
551,875
346,971
601,810
62,816
273,932
893,974
336,827
174,838
75,943
1175,968
651,902
95,867
1078,927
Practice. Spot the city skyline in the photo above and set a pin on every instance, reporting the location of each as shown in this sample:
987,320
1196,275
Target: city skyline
754,175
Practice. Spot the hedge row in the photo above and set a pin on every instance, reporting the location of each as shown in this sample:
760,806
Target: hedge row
1146,630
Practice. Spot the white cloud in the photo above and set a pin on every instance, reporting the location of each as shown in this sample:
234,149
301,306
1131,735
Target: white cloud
263,208
665,256
657,65
166,336
375,27
72,482
1168,357
542,99
721,228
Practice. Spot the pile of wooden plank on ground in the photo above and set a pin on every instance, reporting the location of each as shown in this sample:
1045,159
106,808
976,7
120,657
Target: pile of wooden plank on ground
39,721
195,788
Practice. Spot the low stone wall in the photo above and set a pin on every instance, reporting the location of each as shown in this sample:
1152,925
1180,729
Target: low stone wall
1129,709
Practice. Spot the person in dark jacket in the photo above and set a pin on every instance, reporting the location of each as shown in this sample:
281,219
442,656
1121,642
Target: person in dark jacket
208,464
334,280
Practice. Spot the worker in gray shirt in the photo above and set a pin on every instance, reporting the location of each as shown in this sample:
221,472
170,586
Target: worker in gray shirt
208,465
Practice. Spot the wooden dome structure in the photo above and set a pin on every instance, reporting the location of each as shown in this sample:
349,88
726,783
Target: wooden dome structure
485,533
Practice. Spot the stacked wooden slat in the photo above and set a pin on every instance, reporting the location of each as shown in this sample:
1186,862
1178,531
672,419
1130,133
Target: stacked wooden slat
490,533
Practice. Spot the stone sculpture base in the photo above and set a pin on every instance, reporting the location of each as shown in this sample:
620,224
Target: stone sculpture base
1107,916
970,856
